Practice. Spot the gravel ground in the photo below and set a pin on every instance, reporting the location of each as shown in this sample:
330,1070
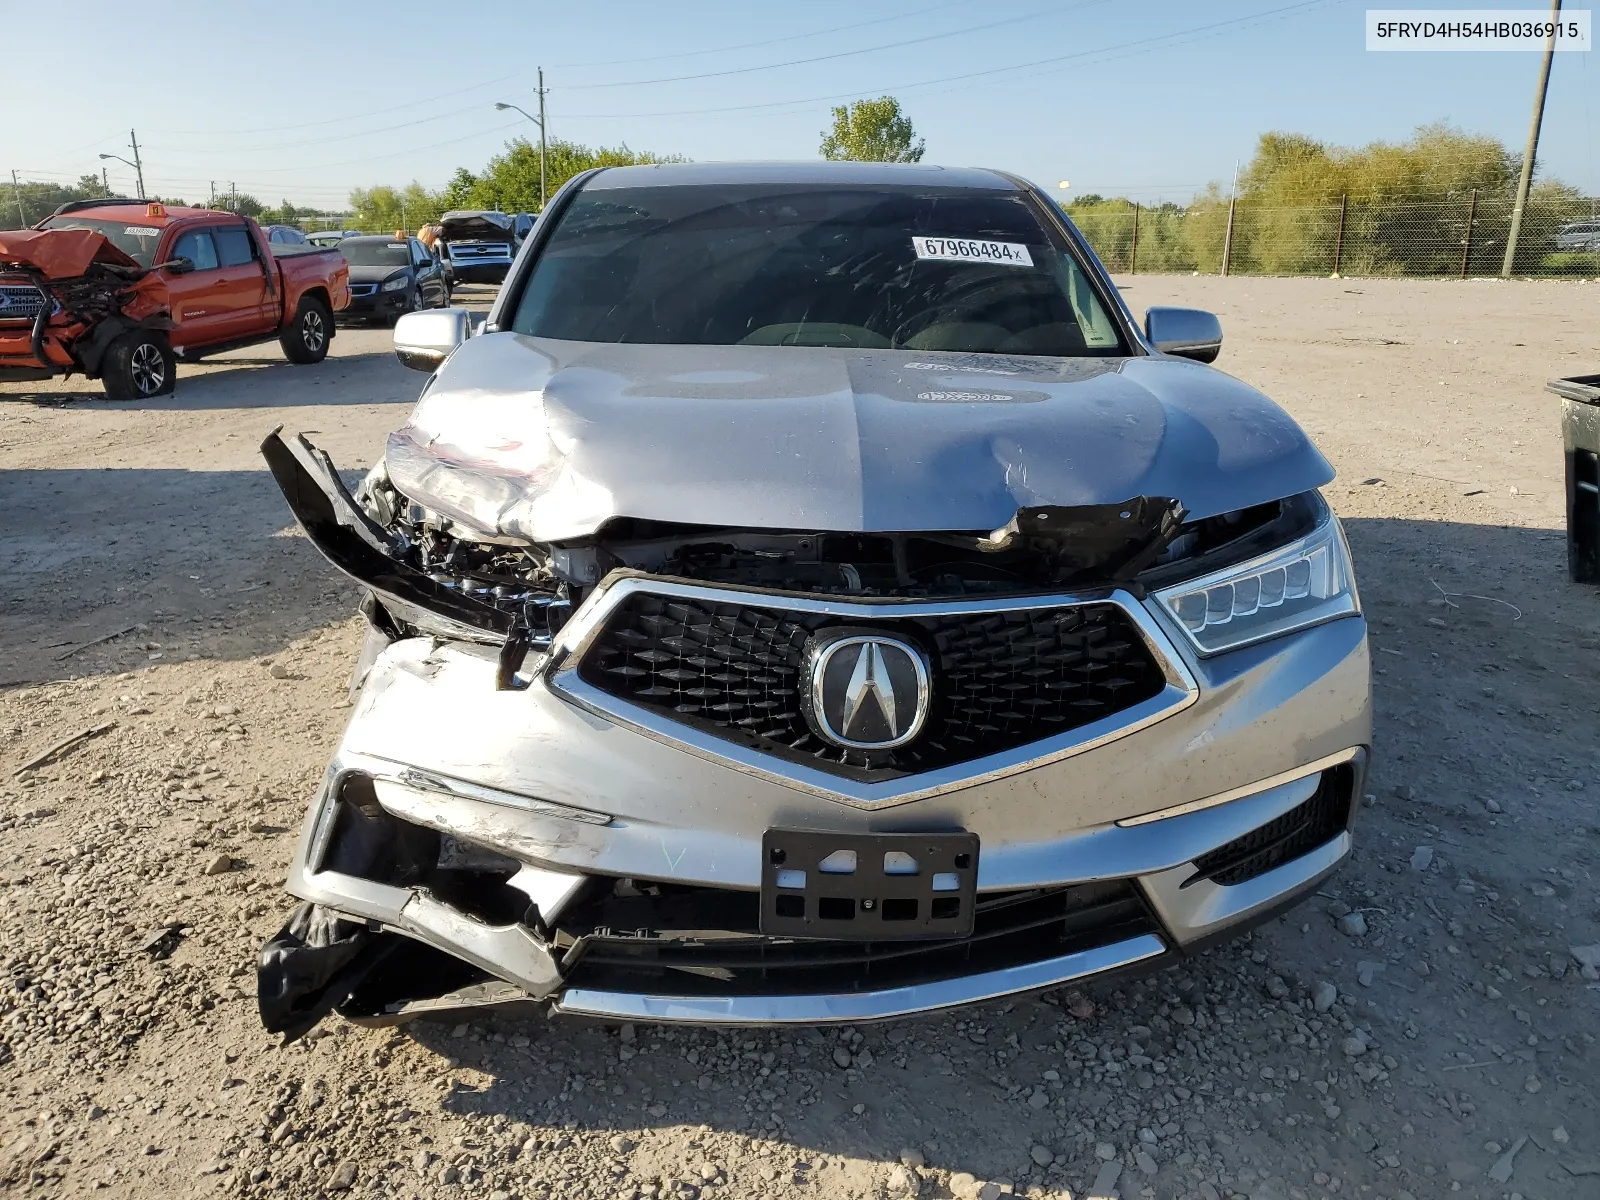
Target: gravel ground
1422,1027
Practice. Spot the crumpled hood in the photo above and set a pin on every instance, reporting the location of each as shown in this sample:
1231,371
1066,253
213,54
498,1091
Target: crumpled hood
530,438
60,253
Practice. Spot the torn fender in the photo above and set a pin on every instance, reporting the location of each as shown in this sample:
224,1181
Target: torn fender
356,544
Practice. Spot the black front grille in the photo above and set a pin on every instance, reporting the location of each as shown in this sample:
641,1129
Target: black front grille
1299,831
1011,929
999,679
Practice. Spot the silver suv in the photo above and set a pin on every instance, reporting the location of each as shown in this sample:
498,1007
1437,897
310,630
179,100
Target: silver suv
811,598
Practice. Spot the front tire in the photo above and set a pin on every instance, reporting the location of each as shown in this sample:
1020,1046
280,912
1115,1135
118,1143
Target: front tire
306,339
138,366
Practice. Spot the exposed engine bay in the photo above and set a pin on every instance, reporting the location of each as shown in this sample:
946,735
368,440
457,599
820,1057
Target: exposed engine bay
90,293
419,563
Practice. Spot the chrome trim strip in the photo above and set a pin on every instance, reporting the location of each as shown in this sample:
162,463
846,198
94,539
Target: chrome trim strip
417,780
578,635
1261,785
850,1007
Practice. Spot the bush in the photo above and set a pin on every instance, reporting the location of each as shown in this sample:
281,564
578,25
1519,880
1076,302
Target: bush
1569,262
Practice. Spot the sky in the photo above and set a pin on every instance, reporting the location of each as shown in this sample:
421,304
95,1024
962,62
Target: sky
1150,100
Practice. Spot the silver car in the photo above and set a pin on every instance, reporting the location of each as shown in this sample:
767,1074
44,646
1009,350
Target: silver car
812,598
1579,235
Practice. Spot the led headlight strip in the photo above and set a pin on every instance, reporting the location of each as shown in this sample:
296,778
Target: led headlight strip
1305,583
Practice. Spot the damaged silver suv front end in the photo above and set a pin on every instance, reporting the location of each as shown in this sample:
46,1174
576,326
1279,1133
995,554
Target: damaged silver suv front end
758,684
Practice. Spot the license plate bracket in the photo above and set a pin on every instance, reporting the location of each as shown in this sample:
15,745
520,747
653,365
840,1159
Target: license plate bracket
868,887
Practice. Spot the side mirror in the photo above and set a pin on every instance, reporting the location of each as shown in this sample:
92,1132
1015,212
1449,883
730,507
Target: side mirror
423,340
179,266
1185,332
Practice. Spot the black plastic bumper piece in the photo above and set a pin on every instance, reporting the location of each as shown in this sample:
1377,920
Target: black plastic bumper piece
314,964
356,544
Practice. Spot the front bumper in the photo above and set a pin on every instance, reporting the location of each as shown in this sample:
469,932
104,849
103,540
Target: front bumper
377,305
1258,739
481,272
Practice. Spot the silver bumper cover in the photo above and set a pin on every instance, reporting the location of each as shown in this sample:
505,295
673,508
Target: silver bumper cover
571,792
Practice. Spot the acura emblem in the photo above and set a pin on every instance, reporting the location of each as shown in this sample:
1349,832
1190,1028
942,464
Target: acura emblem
867,691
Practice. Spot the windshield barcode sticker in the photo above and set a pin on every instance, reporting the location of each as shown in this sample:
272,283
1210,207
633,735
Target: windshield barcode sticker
143,231
1006,254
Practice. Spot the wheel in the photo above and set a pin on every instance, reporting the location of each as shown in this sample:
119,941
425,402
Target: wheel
138,365
306,338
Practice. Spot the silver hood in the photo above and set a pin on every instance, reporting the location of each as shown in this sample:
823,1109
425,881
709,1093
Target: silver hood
526,438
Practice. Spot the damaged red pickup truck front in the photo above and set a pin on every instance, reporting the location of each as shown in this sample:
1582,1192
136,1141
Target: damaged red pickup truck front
120,290
66,296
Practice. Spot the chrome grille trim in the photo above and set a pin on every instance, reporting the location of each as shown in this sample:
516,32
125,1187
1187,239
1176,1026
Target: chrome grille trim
20,302
579,634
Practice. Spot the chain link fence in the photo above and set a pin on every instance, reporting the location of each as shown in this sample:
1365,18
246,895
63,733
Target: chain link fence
1458,236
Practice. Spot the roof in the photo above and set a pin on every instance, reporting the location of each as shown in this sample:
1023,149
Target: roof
870,174
137,212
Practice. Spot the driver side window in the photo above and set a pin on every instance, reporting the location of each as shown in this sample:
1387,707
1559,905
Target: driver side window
198,248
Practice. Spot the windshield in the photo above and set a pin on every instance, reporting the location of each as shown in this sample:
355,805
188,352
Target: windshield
360,253
138,242
874,268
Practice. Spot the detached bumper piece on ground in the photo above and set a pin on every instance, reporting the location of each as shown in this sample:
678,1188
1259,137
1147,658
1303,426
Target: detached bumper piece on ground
646,779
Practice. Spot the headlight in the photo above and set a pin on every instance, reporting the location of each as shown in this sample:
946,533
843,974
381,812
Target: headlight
1305,583
398,284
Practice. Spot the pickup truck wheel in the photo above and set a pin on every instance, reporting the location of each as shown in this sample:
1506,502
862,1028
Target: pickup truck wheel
306,339
137,366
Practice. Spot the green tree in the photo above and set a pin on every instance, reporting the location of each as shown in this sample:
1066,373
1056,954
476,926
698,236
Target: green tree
510,181
382,209
872,131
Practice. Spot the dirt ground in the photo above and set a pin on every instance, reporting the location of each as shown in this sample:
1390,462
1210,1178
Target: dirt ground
156,592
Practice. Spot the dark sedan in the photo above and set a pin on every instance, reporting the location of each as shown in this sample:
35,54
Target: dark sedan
390,276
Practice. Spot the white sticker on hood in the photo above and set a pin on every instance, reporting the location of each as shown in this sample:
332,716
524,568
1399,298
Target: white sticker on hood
943,249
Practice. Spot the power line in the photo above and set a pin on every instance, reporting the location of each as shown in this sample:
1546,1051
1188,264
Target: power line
484,85
191,151
800,62
792,37
943,80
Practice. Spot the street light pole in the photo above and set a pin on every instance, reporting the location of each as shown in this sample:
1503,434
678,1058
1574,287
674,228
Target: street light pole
138,163
135,167
539,121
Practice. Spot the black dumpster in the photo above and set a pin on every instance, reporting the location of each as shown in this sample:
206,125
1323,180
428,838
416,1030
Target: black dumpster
1580,434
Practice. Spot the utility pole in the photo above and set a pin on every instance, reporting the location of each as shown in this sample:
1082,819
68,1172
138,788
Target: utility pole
233,195
1532,148
16,190
138,163
105,184
541,143
213,202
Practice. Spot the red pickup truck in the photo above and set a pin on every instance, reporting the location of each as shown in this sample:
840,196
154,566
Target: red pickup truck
120,290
